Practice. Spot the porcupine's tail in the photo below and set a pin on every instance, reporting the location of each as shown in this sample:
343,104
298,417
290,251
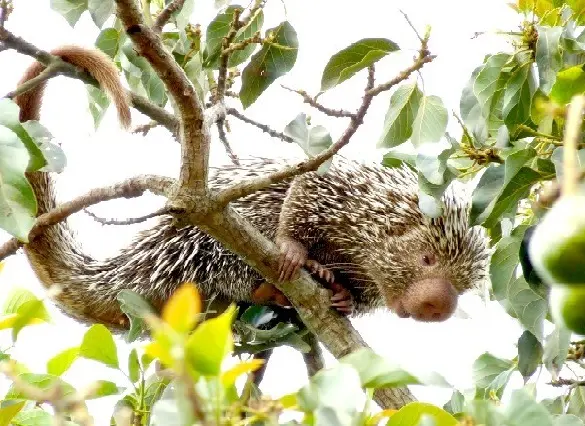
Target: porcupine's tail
55,256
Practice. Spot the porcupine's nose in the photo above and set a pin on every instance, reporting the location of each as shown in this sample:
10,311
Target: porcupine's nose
436,301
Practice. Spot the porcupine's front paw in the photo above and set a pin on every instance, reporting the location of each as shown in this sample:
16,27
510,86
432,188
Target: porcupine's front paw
293,256
341,301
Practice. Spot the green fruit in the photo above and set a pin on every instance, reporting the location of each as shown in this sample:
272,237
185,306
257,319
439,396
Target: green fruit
567,304
557,247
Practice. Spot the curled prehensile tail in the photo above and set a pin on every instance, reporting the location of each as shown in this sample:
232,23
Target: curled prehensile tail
55,256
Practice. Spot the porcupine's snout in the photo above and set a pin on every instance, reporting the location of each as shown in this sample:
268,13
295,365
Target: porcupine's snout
428,300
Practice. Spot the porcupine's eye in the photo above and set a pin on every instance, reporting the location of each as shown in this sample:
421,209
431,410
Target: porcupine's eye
428,259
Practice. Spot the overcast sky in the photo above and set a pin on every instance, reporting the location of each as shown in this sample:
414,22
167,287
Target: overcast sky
323,27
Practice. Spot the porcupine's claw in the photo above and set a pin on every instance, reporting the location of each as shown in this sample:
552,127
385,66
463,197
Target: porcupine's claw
293,255
341,301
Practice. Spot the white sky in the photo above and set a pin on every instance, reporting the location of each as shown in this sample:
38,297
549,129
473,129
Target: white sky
323,27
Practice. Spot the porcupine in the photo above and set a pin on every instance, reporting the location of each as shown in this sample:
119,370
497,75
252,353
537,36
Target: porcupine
358,226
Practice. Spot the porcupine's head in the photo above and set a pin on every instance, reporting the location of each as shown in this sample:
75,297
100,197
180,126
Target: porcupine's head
421,265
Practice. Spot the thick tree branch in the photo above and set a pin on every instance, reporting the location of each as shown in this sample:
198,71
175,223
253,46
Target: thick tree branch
194,136
166,14
142,104
129,188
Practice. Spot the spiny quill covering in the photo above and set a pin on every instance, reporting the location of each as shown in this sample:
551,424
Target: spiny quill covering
364,221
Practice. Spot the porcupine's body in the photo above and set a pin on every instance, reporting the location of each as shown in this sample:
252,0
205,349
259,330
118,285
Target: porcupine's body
363,222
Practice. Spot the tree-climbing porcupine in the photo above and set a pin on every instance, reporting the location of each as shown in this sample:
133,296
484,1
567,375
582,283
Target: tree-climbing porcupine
361,222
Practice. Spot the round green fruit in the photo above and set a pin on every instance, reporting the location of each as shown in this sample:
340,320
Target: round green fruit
567,304
557,247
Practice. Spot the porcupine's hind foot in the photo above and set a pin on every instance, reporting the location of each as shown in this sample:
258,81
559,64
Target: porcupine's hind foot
341,301
293,255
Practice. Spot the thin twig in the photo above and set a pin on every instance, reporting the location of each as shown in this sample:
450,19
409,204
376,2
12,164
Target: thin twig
225,55
145,128
412,26
5,10
166,13
53,70
567,382
265,128
226,143
129,221
311,101
129,188
423,58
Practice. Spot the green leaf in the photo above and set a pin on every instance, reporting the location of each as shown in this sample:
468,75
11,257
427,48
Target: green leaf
431,161
312,141
529,354
271,62
108,41
28,312
569,82
512,193
98,344
217,29
9,410
16,298
488,372
211,341
357,56
399,119
17,201
567,420
412,413
255,25
61,362
515,186
41,381
430,122
376,372
100,10
331,395
105,388
98,103
489,186
556,348
71,10
54,157
554,406
456,404
524,410
518,96
133,366
480,95
197,75
184,14
258,315
9,117
135,308
153,85
548,56
576,404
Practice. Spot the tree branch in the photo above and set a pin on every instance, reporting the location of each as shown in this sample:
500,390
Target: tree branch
225,142
313,102
166,13
130,221
129,188
265,128
194,136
